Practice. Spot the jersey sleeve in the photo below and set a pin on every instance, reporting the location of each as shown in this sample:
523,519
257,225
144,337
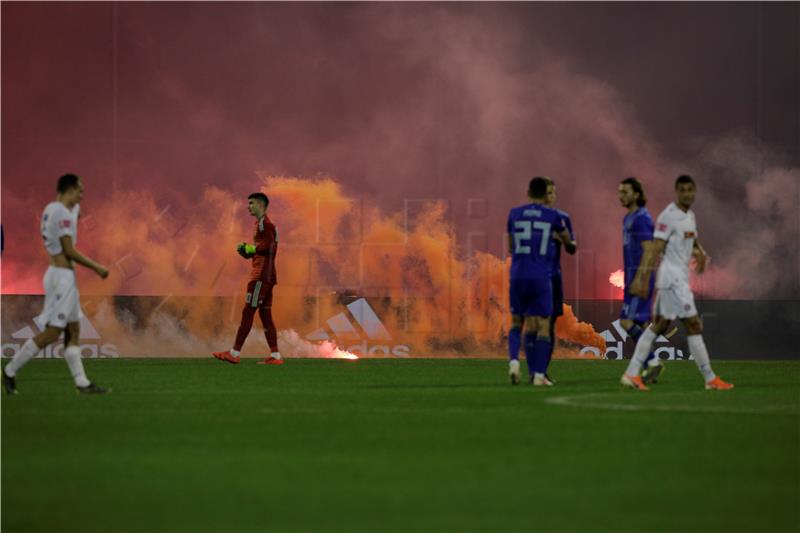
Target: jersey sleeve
510,223
61,223
664,226
266,246
558,223
568,226
642,229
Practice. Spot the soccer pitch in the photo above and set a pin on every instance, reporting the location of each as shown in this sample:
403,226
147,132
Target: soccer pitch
399,445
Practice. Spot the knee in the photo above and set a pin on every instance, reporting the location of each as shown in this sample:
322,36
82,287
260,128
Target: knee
544,327
659,325
694,326
72,334
516,322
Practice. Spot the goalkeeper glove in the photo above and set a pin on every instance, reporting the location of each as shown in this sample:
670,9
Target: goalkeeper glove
246,250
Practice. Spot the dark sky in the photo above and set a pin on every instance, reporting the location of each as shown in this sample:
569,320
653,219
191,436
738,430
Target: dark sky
462,102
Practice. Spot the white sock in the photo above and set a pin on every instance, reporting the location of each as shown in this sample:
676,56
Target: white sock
235,353
643,347
72,355
28,351
276,355
697,347
655,361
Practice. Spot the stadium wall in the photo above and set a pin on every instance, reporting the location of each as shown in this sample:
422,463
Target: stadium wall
162,326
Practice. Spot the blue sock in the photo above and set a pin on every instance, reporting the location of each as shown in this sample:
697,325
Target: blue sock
514,340
541,356
635,332
530,350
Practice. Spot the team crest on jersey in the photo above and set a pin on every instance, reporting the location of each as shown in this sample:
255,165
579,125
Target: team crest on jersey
65,223
662,227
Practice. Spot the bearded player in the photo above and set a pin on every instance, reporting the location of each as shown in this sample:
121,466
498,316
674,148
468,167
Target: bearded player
261,284
637,236
676,237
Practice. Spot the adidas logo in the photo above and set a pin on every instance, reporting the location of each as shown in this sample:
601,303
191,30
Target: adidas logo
89,350
343,330
616,336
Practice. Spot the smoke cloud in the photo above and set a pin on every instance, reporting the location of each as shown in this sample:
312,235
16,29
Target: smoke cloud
413,129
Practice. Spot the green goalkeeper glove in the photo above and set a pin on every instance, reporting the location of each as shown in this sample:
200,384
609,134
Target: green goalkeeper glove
246,250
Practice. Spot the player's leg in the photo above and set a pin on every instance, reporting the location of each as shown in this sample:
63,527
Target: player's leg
246,323
72,354
541,350
53,320
28,352
529,342
664,310
270,331
516,298
633,319
537,339
514,342
697,347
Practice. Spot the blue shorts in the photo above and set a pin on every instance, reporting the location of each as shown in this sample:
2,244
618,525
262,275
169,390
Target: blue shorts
558,296
636,309
531,297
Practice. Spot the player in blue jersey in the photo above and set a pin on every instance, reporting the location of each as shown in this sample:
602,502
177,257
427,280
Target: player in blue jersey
530,229
558,286
637,236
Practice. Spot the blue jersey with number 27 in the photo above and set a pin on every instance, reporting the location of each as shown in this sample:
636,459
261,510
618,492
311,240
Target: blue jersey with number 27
532,227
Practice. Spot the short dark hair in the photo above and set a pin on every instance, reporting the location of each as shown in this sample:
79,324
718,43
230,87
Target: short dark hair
67,182
636,185
260,196
538,187
684,178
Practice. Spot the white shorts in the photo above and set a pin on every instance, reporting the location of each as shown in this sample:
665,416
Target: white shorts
62,303
675,302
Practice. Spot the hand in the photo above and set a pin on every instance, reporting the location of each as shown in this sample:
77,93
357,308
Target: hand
700,261
241,250
101,271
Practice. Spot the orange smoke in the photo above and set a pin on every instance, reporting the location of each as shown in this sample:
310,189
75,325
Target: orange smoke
580,333
407,264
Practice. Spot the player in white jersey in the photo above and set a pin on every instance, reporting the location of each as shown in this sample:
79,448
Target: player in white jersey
62,307
675,236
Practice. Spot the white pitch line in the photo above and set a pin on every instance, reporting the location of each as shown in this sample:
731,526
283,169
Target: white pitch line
580,401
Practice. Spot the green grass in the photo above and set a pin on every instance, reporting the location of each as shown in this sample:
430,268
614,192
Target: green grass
399,445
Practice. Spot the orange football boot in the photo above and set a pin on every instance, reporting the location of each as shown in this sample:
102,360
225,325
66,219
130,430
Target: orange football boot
269,360
634,382
227,356
718,384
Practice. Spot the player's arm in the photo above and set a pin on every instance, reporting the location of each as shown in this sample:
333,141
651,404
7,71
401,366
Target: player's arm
700,256
652,252
570,246
267,246
73,254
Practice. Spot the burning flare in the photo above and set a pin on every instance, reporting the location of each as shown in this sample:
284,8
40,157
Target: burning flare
617,279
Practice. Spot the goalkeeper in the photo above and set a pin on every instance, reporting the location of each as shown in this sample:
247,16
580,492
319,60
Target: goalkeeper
262,281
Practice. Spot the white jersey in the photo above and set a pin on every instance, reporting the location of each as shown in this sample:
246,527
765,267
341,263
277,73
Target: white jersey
57,222
679,229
